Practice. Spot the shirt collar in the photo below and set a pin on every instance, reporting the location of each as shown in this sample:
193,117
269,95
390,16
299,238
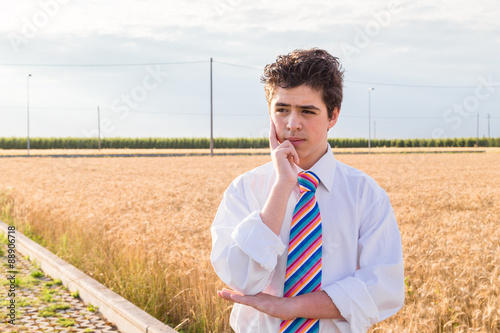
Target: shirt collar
324,168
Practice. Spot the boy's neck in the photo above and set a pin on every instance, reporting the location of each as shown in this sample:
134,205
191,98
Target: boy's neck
309,161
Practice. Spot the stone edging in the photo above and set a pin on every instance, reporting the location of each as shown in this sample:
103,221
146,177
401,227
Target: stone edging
125,315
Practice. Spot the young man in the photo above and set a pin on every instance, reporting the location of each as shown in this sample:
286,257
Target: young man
325,256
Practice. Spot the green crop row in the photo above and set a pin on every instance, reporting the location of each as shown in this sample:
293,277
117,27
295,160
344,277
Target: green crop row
204,143
450,142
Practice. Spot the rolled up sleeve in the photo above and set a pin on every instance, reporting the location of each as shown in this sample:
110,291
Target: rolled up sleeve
258,242
244,250
376,289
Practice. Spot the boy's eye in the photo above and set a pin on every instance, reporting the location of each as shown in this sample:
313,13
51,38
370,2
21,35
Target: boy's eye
281,110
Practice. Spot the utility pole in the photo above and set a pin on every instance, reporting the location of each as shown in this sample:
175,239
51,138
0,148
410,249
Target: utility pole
369,119
211,112
477,132
489,126
28,110
99,126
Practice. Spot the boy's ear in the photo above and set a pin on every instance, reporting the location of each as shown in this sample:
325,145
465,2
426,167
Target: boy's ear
335,116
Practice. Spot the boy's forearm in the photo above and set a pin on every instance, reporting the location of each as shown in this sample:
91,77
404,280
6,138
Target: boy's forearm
274,210
317,305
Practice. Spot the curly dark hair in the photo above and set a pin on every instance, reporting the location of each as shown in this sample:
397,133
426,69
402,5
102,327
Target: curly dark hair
315,68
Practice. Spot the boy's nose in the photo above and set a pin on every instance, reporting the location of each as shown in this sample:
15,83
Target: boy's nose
294,123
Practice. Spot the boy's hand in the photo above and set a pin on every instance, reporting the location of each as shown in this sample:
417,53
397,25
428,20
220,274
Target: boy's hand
274,306
284,157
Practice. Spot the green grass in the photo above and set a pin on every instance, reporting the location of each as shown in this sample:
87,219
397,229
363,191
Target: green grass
30,233
47,298
28,281
66,322
22,282
37,274
21,302
3,239
92,308
50,311
56,282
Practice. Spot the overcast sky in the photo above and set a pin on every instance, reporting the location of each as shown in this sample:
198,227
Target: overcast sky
434,65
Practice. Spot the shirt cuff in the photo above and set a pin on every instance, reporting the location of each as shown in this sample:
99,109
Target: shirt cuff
259,242
353,300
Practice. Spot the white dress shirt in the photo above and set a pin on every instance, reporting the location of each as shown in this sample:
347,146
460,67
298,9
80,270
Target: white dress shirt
362,258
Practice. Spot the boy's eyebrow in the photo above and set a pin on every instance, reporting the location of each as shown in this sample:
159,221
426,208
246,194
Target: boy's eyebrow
309,107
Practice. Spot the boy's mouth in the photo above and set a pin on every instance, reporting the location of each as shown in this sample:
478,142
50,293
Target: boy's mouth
295,141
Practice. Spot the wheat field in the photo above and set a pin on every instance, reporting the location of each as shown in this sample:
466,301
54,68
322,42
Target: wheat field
141,227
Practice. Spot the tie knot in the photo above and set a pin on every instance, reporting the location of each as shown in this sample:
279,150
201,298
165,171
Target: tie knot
308,181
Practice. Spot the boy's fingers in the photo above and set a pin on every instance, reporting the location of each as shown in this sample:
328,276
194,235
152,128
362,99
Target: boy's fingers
223,295
295,156
290,152
273,140
289,149
226,294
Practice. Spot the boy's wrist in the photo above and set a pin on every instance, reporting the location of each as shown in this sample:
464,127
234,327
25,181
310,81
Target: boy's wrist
284,186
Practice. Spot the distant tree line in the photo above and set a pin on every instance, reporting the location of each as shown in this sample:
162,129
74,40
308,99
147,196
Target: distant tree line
204,143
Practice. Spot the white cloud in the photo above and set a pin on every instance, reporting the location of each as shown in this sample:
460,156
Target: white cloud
423,42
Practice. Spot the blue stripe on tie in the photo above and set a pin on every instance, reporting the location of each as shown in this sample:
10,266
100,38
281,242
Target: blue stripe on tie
306,242
312,284
294,325
311,186
299,273
305,220
306,197
299,249
314,328
313,210
310,215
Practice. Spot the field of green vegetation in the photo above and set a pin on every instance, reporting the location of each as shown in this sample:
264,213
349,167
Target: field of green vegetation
204,143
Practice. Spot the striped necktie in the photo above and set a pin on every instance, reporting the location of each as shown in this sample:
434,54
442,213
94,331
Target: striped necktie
303,272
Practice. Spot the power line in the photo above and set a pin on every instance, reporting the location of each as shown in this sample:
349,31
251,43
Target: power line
104,65
47,107
413,85
241,66
201,114
237,65
389,117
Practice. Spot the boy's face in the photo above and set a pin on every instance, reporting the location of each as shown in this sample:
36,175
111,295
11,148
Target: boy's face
300,116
